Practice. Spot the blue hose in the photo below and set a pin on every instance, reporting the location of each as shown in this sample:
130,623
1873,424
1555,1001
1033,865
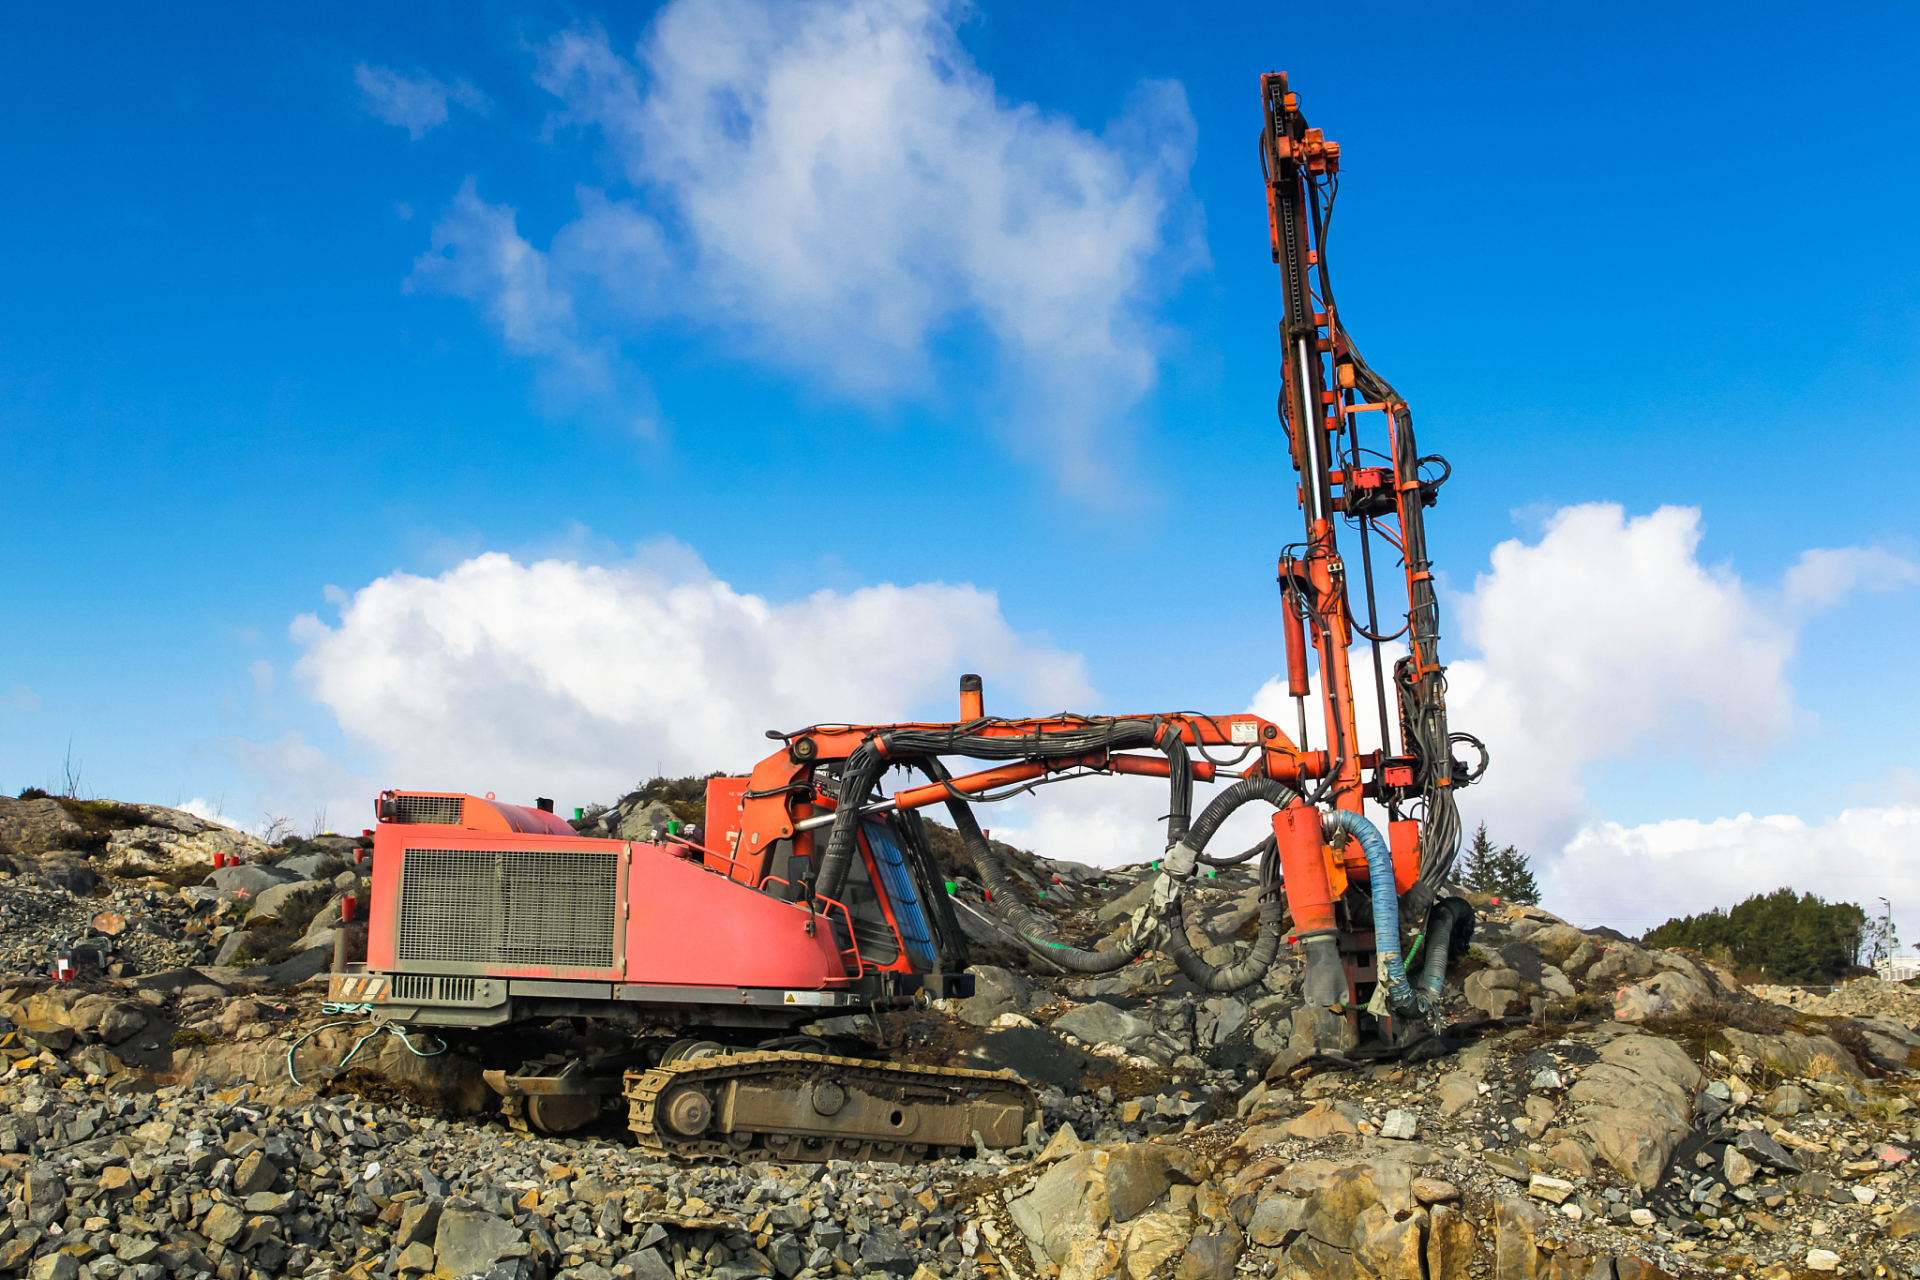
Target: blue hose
1386,907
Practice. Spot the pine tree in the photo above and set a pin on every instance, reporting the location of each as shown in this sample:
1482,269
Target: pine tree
1514,874
1476,868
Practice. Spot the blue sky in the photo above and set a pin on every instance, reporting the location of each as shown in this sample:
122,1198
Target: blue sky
262,345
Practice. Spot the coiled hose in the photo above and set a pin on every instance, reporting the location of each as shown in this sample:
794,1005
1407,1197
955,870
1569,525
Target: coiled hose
1254,966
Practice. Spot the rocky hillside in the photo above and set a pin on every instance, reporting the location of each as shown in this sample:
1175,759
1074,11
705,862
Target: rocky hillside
187,1106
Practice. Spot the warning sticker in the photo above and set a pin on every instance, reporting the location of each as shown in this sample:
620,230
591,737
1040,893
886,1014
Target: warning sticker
1245,733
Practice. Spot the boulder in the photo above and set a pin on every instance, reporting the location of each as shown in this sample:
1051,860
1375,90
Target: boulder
269,902
1102,1023
249,878
1076,1199
1668,994
1793,1054
1151,1240
641,821
1620,962
469,1240
121,1022
995,991
1492,991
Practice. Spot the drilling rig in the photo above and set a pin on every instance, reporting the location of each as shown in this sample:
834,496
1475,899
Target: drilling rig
812,889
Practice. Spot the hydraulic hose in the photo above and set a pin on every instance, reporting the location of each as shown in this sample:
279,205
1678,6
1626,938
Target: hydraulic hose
1441,926
993,876
1254,966
1386,907
1026,925
1265,847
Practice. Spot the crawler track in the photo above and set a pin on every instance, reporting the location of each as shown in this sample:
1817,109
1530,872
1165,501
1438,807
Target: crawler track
812,1106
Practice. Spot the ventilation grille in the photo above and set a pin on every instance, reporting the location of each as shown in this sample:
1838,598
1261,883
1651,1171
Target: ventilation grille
441,810
428,989
481,907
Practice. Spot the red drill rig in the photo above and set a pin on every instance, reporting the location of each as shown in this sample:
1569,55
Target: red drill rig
813,891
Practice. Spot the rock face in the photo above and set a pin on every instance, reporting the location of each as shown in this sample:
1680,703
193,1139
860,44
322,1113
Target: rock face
1636,1104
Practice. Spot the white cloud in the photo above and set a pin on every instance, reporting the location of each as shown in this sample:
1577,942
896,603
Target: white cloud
576,680
1821,578
21,698
262,672
1639,877
1608,638
837,187
415,102
478,254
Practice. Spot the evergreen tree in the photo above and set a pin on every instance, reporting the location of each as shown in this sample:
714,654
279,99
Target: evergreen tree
1476,866
1506,873
1787,936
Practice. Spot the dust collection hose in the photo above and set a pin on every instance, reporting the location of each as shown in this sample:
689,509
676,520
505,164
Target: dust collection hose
1442,924
1386,909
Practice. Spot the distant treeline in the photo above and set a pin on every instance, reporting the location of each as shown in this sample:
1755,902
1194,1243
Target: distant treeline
1786,936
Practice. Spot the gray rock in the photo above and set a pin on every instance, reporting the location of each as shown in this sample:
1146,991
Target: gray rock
1123,906
641,822
1229,1016
1275,1217
787,1256
1102,1023
647,1264
1758,1147
995,991
294,970
249,878
268,903
1622,961
312,866
122,1022
884,1250
56,1266
1400,1125
230,947
469,1239
1492,991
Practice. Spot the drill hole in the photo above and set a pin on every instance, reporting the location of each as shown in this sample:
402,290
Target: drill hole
896,1119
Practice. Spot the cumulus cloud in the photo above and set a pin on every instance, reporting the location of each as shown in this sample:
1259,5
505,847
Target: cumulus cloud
837,187
416,102
1639,877
1605,638
558,676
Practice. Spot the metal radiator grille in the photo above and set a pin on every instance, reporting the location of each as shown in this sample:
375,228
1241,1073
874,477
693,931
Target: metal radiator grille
442,810
428,989
472,906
